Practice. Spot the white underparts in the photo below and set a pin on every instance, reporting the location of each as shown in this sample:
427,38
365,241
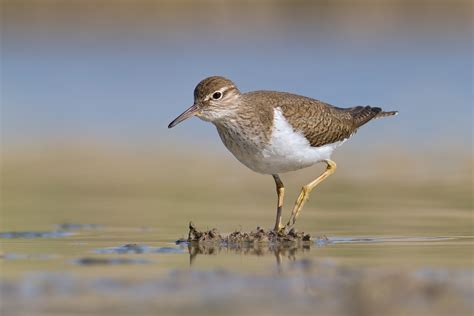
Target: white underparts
289,150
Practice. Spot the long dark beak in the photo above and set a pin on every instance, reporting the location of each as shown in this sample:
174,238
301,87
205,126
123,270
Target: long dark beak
186,114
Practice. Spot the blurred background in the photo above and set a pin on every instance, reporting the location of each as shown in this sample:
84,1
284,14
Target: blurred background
88,164
88,88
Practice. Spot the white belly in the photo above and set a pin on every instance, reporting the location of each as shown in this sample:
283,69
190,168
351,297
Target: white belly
287,150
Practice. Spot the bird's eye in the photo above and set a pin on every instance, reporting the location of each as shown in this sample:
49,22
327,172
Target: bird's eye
216,95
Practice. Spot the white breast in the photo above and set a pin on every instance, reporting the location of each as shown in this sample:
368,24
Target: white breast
289,150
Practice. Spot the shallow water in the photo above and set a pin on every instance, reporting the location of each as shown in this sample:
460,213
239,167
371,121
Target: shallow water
62,247
376,250
95,268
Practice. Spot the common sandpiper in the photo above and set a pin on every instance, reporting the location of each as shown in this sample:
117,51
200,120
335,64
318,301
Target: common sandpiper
274,132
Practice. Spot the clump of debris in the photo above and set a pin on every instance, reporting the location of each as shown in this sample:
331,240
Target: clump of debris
259,235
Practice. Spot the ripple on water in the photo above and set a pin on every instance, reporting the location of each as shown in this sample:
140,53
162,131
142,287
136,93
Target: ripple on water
27,256
362,240
88,261
75,226
33,235
137,249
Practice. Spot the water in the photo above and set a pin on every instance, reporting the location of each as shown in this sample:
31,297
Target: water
145,270
61,249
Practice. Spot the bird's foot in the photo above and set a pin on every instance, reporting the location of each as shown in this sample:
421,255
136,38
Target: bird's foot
287,228
279,228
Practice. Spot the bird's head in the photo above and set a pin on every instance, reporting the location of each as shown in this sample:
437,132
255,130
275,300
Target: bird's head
215,98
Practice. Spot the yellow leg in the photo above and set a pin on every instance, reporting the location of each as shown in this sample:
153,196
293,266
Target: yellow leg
306,190
281,193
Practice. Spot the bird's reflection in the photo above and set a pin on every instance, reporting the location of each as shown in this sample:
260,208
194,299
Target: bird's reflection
279,251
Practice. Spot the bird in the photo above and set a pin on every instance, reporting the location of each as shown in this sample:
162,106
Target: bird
274,132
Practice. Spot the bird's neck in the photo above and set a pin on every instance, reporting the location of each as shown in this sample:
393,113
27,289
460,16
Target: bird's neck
246,124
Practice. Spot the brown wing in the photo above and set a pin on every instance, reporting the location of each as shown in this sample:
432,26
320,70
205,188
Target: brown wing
322,123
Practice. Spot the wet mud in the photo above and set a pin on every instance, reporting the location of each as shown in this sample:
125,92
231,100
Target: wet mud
259,235
259,242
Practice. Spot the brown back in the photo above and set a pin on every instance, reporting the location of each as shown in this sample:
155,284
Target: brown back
321,123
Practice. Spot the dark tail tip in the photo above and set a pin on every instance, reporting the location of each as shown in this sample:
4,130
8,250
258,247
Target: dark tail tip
387,113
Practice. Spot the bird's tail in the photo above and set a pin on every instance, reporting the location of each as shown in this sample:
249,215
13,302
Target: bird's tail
363,114
387,113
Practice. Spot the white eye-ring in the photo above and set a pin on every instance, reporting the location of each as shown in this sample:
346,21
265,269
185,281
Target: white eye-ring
217,95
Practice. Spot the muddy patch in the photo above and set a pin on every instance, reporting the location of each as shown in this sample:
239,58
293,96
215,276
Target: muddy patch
259,242
257,236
